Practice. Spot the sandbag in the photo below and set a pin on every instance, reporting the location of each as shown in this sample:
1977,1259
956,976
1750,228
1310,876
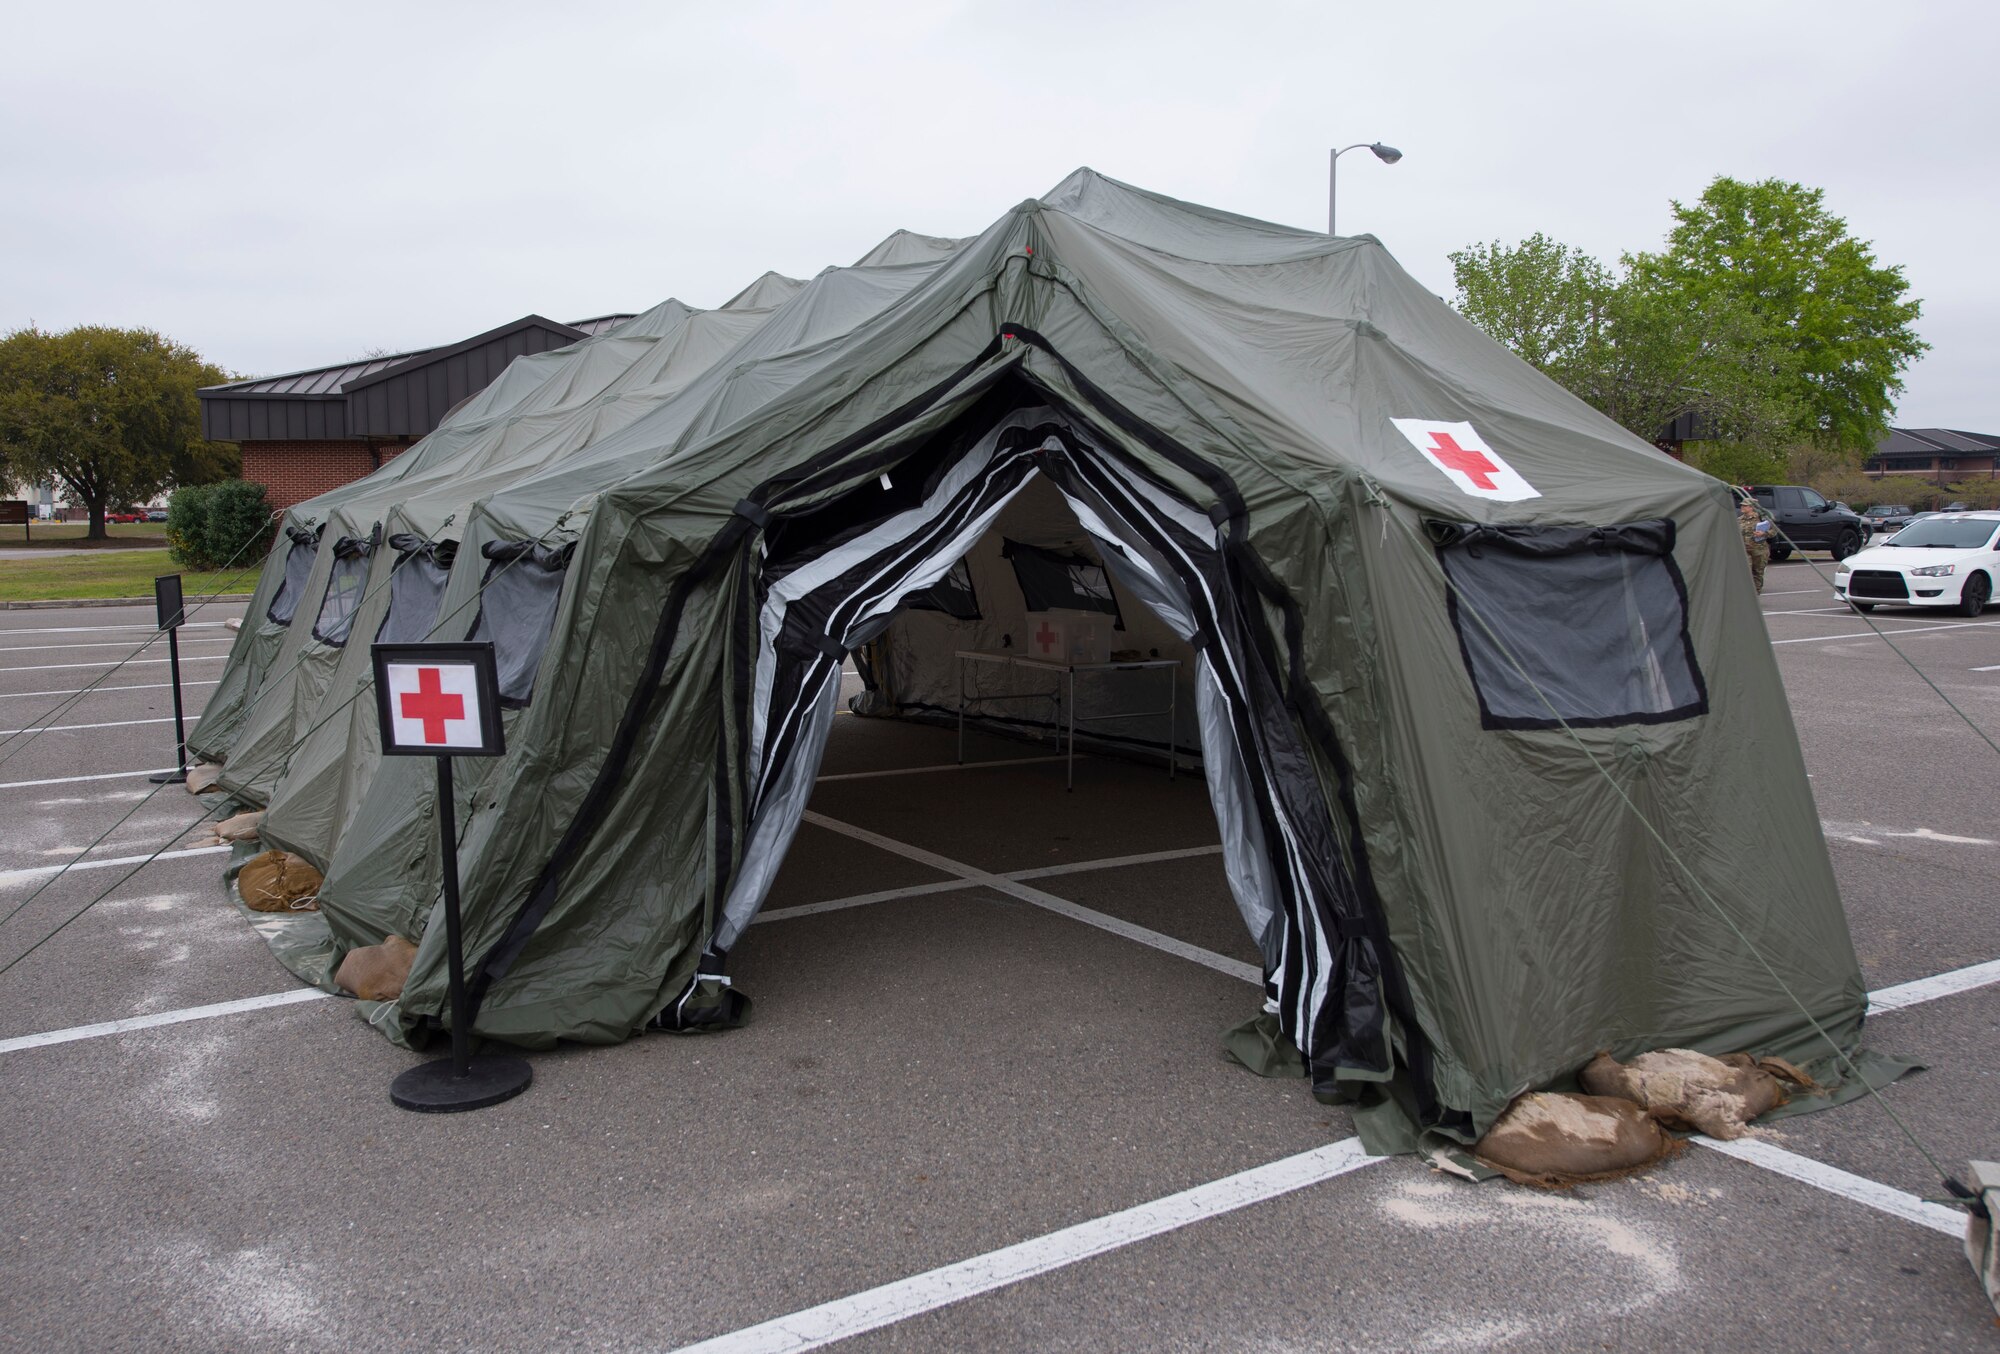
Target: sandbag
1555,1140
204,777
240,827
278,881
1685,1089
377,972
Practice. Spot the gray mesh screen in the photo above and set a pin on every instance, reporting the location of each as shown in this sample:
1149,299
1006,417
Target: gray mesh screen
1589,620
298,564
517,607
416,588
344,587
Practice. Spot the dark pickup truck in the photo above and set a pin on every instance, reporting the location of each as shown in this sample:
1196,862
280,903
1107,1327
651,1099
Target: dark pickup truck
1806,521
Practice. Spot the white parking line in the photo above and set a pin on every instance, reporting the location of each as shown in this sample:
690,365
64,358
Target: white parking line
109,724
154,1021
1859,1188
101,629
43,871
108,643
93,690
1994,668
954,885
1931,988
73,780
1235,968
899,1301
947,766
1854,635
117,663
1796,592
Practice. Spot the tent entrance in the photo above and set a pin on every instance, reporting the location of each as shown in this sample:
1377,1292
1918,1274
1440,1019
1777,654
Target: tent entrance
840,577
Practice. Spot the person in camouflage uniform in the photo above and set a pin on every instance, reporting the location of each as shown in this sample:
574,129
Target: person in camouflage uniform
1751,518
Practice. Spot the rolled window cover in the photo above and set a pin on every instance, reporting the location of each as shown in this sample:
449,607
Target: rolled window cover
344,587
1585,626
416,588
517,608
298,564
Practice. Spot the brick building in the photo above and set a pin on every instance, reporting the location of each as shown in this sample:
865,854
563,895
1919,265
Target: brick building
305,432
1939,455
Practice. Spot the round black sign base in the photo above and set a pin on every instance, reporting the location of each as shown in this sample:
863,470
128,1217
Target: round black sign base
169,778
434,1088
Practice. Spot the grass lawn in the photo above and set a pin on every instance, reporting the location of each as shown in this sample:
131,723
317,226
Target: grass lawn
70,535
115,573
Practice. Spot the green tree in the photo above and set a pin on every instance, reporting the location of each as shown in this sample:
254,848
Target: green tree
111,413
1545,300
1845,323
1641,353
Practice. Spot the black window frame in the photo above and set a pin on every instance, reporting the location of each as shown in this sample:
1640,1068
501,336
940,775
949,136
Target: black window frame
1652,539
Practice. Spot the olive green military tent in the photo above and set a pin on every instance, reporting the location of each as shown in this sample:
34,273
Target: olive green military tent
1486,710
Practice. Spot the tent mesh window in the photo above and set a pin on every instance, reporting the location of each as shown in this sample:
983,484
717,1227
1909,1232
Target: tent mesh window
343,590
517,609
951,594
416,588
1052,581
298,564
1589,620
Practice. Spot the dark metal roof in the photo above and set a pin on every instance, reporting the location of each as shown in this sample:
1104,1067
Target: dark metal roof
403,395
1937,442
598,324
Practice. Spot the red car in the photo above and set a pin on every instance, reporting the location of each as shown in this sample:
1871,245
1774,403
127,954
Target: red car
129,515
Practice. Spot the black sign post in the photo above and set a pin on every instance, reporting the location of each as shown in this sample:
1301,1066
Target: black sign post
443,701
171,614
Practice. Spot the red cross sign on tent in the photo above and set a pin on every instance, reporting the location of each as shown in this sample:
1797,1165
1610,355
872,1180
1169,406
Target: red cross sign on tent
1462,454
438,699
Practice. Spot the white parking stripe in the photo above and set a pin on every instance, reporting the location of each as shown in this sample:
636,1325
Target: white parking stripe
1854,635
66,645
954,885
1871,1193
154,1021
109,724
101,629
846,1317
73,780
43,871
1931,988
947,766
1235,968
93,690
117,663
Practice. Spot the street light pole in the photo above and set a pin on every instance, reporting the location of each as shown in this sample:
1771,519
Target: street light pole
1388,155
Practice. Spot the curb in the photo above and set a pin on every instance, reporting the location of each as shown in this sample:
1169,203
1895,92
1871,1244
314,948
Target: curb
112,601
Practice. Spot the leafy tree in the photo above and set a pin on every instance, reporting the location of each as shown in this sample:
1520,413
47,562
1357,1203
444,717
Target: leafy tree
215,526
1640,353
1545,300
1762,319
1845,323
111,413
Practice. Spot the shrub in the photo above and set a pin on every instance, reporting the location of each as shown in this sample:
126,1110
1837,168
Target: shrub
187,525
217,526
239,524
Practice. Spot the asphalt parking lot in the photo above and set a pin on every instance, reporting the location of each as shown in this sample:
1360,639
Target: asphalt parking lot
982,1102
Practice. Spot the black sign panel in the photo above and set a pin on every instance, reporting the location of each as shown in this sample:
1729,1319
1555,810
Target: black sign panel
167,602
438,700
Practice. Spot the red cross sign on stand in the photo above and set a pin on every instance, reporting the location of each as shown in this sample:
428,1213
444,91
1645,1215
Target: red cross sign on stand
443,701
1471,465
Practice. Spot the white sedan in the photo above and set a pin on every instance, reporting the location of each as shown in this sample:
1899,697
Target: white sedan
1947,559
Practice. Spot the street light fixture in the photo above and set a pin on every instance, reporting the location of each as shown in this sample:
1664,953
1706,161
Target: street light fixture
1388,155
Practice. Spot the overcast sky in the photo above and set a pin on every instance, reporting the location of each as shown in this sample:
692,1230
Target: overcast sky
286,186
